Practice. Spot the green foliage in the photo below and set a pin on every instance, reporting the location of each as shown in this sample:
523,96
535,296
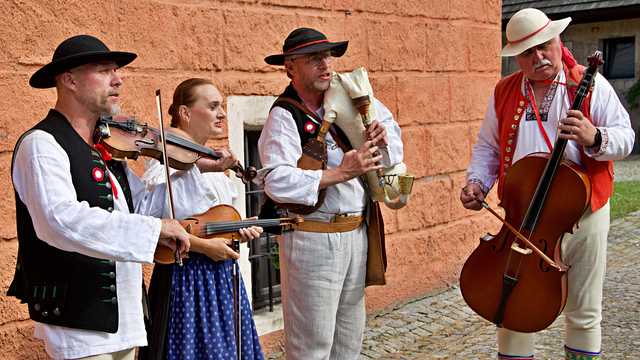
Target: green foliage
633,96
274,255
625,199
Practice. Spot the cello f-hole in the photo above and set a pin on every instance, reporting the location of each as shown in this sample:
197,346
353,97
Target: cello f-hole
544,267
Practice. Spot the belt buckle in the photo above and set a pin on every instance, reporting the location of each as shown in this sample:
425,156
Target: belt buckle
340,218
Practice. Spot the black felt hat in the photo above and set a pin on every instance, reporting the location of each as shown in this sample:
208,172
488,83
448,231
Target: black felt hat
76,51
306,41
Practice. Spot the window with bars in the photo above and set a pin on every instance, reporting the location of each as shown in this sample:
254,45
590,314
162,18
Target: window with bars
263,252
619,58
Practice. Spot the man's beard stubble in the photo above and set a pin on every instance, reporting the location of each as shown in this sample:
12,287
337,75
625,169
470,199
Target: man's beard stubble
320,85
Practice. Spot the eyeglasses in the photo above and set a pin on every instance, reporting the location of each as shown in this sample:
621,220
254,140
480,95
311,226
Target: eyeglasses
316,59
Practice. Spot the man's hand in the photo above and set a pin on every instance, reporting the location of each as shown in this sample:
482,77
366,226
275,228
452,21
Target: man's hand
578,128
377,134
172,234
360,161
472,196
225,162
354,163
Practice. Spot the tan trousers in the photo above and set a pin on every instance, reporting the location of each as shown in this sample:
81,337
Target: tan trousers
586,252
322,279
128,354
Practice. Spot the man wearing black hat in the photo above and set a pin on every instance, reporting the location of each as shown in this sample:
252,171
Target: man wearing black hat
80,245
323,262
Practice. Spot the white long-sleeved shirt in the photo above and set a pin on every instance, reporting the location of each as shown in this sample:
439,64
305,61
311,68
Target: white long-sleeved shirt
42,179
220,189
607,114
280,149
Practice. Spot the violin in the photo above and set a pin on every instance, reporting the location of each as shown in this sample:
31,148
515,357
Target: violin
126,138
221,221
516,278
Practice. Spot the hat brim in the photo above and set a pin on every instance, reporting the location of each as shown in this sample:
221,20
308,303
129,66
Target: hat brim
45,77
337,50
554,29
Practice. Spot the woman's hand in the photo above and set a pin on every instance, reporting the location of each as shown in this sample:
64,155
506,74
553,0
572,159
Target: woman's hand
216,249
250,233
226,161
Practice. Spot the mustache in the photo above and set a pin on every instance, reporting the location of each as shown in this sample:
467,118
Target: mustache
542,63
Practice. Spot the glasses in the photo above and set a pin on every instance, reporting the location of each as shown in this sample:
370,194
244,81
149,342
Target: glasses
316,59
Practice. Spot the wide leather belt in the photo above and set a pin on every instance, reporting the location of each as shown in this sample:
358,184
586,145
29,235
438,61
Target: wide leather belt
338,224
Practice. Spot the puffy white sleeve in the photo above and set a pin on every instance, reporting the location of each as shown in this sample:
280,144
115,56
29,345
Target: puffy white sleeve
608,115
192,193
279,147
42,179
485,164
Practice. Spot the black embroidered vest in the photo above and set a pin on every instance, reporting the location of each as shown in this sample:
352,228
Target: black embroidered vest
66,288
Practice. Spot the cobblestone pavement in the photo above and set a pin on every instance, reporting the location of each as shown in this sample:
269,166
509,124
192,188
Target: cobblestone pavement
441,326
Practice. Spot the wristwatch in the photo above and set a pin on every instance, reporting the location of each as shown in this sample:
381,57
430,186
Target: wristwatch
597,140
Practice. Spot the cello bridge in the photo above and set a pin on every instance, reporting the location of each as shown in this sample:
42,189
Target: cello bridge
517,248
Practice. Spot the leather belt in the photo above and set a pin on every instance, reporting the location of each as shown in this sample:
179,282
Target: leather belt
339,223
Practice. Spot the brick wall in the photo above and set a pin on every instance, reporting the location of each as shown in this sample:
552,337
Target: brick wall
432,62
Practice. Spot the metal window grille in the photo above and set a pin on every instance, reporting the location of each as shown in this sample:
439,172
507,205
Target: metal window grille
263,252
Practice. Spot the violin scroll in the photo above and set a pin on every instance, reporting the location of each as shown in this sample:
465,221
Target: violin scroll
246,175
595,60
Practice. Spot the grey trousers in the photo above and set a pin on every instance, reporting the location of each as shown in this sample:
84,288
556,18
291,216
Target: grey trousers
322,278
586,252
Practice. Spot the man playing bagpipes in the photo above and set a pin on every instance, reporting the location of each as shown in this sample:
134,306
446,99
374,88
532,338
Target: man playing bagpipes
327,261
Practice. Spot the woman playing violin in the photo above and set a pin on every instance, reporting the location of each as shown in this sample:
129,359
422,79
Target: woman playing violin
200,319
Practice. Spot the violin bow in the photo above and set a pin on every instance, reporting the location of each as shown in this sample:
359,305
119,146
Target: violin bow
165,157
237,308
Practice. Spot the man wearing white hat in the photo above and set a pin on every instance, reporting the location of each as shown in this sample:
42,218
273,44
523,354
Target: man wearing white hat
536,101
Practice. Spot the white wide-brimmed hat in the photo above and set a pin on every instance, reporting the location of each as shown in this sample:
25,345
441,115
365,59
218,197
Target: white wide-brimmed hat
530,27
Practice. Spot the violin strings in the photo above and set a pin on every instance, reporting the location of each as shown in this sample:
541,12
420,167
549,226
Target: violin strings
190,145
226,226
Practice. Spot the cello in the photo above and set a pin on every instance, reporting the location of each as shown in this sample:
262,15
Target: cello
516,278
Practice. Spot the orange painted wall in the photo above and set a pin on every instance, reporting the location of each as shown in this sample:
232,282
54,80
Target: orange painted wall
432,62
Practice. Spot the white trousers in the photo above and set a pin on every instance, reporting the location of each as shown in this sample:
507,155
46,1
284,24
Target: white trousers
128,354
586,252
322,279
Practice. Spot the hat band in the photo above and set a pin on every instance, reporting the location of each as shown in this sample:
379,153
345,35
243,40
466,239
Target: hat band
305,45
530,35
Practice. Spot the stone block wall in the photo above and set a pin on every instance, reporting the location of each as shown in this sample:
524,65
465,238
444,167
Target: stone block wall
432,62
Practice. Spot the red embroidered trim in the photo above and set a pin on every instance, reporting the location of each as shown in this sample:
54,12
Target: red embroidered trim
114,189
106,156
538,118
305,45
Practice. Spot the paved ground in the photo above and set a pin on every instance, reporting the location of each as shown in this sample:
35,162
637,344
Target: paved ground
441,326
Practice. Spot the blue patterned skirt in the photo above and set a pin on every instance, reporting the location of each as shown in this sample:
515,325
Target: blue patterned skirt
201,322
